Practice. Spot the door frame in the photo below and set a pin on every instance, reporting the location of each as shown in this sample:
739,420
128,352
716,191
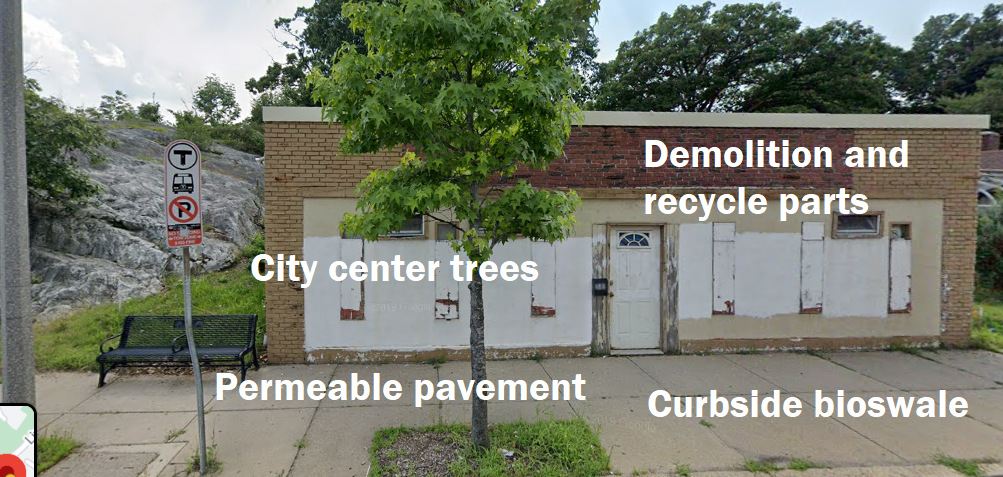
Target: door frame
602,247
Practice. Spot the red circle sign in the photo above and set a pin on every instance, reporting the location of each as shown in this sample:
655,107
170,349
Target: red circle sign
181,213
11,465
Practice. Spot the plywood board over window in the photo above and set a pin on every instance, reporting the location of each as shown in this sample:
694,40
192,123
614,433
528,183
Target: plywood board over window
900,269
447,289
812,266
352,292
543,290
724,269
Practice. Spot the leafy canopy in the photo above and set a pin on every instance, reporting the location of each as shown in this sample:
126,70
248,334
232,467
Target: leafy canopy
749,58
216,101
324,31
54,137
987,98
476,89
948,57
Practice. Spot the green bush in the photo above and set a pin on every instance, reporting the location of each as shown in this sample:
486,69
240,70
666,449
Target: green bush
192,127
989,253
244,136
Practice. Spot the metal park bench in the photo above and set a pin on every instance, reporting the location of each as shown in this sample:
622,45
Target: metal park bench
148,340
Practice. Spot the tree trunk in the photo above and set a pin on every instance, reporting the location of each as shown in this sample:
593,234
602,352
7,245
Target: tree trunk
478,369
15,273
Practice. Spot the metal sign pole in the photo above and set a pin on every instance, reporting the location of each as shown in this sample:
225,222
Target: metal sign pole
190,333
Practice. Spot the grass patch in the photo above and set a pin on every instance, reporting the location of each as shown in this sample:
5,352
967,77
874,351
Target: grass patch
546,448
967,467
683,470
174,434
705,423
151,126
71,343
52,449
212,464
436,361
987,324
804,464
300,444
761,467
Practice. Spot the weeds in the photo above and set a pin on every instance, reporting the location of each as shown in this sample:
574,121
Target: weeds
52,449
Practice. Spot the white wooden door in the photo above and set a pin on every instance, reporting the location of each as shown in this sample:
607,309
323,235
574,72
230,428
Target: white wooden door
634,288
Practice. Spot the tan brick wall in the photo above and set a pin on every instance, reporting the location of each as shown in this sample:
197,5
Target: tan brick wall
943,164
301,159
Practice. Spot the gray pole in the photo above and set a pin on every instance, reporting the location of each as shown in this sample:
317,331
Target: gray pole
195,361
15,269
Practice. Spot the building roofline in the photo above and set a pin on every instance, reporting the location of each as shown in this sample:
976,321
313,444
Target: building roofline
280,114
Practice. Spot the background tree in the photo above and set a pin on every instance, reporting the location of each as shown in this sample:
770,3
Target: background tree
748,58
477,88
987,99
324,32
116,108
948,57
216,101
51,133
314,47
150,111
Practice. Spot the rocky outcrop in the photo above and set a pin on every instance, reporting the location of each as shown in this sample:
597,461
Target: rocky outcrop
115,248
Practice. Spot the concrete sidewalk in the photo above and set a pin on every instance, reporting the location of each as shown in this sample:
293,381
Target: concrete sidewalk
144,425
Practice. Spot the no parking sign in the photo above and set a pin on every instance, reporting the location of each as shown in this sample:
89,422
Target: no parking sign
183,194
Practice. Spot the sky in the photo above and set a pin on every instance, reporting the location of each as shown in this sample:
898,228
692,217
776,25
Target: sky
82,50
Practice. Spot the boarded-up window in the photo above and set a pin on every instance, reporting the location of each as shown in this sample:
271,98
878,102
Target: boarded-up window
812,266
900,269
724,269
352,292
543,290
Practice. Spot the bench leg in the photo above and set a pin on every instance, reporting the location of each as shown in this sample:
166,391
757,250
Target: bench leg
104,372
243,370
254,352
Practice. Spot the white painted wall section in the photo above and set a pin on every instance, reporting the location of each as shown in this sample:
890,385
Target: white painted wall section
402,315
856,278
767,274
696,277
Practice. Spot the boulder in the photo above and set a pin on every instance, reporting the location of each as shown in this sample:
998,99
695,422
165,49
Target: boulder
114,248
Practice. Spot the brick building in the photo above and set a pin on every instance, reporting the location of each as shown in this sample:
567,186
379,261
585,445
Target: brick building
902,273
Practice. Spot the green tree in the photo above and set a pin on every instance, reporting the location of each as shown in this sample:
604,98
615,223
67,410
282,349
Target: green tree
116,108
313,47
324,32
987,99
948,57
55,137
216,101
478,88
150,111
748,58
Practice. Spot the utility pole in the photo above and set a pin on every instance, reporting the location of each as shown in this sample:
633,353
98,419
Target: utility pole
15,269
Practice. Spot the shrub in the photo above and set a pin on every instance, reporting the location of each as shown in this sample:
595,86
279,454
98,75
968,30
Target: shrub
192,127
989,252
244,136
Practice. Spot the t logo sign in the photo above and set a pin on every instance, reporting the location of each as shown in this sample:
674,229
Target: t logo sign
183,194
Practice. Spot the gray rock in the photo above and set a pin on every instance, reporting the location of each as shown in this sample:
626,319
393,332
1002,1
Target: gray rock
115,248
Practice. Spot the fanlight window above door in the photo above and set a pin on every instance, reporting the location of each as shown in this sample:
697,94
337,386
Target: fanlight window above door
634,239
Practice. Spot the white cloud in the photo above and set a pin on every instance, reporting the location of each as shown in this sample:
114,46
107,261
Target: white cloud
138,79
44,44
113,59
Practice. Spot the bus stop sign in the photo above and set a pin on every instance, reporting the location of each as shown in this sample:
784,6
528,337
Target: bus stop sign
183,194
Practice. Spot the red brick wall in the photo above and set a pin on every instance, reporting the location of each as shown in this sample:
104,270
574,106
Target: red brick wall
599,157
